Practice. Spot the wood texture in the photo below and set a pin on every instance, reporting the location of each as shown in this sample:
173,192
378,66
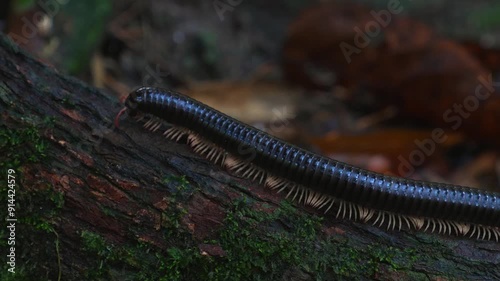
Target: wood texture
100,203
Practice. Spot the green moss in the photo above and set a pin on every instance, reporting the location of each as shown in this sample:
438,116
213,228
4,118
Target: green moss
35,209
259,243
180,181
171,221
177,260
20,146
68,102
180,185
108,211
36,212
256,244
143,260
269,246
252,248
102,254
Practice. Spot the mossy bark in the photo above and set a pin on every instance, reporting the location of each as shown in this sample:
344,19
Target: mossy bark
99,203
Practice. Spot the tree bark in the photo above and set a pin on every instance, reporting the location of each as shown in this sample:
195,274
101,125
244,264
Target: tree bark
94,202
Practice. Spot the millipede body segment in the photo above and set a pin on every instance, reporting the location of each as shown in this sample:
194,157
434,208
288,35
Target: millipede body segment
315,180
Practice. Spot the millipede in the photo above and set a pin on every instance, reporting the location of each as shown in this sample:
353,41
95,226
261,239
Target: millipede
332,186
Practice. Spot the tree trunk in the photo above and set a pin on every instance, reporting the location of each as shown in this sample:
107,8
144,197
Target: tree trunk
94,202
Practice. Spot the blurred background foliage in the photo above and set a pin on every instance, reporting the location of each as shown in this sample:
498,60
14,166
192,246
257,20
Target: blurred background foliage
230,54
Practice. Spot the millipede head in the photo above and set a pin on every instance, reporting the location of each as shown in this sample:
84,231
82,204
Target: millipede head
132,101
131,104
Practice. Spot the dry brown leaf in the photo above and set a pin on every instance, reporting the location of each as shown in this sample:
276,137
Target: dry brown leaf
248,101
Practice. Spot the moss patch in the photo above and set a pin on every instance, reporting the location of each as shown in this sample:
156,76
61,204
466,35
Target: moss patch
37,242
255,245
20,146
